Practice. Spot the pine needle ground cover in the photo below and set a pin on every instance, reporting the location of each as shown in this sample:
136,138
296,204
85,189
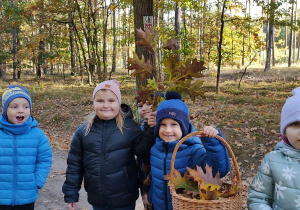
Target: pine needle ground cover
249,117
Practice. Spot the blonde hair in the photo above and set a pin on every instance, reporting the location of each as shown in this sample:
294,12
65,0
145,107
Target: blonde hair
91,119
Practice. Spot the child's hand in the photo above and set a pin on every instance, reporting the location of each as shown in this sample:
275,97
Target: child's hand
72,206
147,112
209,131
145,201
152,119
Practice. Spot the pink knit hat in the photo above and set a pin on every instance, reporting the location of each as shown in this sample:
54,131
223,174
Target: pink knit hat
112,85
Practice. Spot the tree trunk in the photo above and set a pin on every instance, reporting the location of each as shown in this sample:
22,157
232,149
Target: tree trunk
81,44
40,56
262,29
114,53
14,50
220,48
159,23
250,56
104,53
273,50
202,43
71,37
298,54
81,66
286,36
97,41
84,24
14,35
177,23
294,34
269,40
142,8
15,63
291,37
51,49
129,33
183,18
244,38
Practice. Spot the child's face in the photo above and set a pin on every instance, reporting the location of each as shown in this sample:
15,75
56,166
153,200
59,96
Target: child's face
144,109
169,130
106,104
18,111
293,134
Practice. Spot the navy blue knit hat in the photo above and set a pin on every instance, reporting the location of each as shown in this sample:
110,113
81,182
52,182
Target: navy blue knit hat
173,107
12,92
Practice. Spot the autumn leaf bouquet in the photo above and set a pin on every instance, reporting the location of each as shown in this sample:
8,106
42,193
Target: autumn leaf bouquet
196,184
180,76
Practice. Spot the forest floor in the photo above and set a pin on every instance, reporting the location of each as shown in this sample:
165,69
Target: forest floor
249,116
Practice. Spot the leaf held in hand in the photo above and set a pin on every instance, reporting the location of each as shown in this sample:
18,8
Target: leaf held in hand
141,68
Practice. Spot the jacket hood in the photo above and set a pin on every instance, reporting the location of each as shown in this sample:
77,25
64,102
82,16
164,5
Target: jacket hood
287,150
127,111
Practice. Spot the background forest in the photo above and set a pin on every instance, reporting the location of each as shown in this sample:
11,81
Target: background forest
60,49
95,38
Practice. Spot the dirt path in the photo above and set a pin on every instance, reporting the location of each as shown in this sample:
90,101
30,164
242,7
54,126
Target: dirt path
51,196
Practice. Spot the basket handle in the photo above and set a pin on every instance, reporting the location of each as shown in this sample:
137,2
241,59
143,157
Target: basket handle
198,133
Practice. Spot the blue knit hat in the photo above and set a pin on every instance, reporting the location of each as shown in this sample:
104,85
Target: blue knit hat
12,92
290,112
173,107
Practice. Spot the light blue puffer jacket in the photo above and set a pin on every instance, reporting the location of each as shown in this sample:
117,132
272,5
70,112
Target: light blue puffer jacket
276,184
25,161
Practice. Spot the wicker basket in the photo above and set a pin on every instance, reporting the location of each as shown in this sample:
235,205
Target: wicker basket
182,203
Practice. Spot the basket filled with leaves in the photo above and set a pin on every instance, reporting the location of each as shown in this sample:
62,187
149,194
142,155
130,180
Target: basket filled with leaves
199,190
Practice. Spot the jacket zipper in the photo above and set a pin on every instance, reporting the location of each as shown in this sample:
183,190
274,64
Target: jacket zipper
165,173
15,172
101,167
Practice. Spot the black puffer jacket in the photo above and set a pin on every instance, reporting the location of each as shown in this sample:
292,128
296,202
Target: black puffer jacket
105,159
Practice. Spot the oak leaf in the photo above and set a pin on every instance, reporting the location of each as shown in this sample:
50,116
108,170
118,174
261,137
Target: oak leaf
209,194
206,180
183,182
171,44
141,68
172,64
191,69
146,38
194,89
143,95
153,97
228,190
152,85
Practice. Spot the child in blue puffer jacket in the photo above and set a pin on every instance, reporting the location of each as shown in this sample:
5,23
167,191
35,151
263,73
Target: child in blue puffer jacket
276,184
172,123
25,152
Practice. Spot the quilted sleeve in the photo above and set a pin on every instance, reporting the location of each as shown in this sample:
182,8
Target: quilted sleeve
261,188
75,169
43,161
143,141
215,155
